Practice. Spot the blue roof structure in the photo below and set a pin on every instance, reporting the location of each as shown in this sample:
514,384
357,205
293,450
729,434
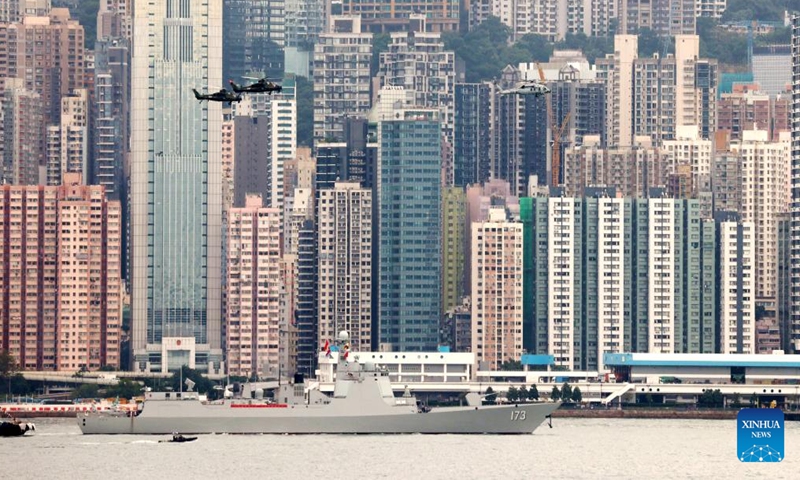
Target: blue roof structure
538,360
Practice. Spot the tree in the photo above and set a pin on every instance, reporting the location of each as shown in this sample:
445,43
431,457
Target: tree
490,397
511,366
576,395
533,393
86,13
8,364
753,400
523,394
555,394
201,383
380,44
736,401
126,388
513,394
566,392
710,399
86,390
305,111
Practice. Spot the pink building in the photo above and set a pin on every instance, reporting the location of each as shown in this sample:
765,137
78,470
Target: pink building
496,290
60,277
254,288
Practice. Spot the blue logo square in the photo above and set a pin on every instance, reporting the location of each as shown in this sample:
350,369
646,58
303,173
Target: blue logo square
760,435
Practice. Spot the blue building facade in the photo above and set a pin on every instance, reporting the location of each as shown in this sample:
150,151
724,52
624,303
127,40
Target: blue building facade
409,211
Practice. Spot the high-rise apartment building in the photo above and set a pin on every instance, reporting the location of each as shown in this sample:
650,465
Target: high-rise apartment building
114,20
632,170
345,264
253,38
283,125
610,274
442,15
690,150
176,197
111,118
409,258
771,67
68,141
454,210
617,71
23,136
664,17
766,193
252,147
254,288
60,266
12,11
353,160
497,289
753,110
737,302
341,77
304,22
658,95
711,8
47,53
472,132
418,62
795,221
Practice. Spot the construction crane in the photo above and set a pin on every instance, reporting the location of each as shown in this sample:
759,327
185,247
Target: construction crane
556,131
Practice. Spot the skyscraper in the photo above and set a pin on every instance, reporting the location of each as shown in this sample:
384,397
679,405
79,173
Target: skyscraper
68,141
409,186
497,289
345,264
795,227
471,136
176,198
454,209
253,38
341,77
253,289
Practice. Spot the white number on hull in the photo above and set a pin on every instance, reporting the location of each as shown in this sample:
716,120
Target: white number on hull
517,415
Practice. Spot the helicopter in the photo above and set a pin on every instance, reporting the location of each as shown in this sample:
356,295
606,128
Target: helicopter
222,96
261,86
534,88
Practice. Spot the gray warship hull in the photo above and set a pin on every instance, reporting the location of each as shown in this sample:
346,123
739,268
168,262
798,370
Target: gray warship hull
197,418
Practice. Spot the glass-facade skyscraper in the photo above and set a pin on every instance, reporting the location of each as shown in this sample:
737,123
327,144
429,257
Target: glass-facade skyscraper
176,200
409,191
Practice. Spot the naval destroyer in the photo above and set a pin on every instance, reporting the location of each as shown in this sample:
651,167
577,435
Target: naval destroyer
362,402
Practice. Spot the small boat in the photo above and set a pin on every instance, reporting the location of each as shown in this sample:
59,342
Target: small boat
179,439
15,428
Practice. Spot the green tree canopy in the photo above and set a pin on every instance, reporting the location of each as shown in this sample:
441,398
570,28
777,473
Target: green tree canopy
566,392
511,366
577,396
86,390
765,10
490,397
533,393
380,44
523,393
513,394
126,388
8,364
555,394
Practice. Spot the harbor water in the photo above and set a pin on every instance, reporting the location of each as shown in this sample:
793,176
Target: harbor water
574,448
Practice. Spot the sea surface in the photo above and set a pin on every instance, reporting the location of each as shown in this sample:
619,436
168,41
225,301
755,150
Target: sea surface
573,448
